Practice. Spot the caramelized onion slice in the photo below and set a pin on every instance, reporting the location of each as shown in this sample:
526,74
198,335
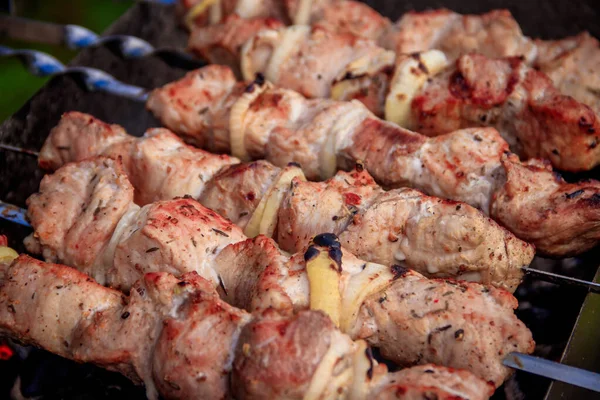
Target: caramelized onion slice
410,75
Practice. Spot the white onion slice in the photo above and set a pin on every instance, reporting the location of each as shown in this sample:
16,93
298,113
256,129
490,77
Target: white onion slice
302,16
264,218
198,9
323,383
324,282
361,364
265,37
408,78
268,221
237,129
7,255
291,38
372,279
340,130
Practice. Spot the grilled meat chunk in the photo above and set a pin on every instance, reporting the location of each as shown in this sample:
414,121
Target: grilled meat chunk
572,64
438,238
470,331
424,382
535,199
283,127
530,113
159,164
493,34
76,212
397,226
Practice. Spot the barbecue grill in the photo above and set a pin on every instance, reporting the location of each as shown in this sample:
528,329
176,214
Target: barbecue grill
554,313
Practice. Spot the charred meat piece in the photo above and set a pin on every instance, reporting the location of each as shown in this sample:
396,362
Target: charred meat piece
531,114
572,64
493,34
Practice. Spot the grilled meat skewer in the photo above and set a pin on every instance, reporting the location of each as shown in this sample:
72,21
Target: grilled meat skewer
102,233
209,108
182,341
571,63
437,238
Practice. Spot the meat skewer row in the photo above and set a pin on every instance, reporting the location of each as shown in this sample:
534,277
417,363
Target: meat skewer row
426,93
209,108
571,63
182,341
437,238
412,319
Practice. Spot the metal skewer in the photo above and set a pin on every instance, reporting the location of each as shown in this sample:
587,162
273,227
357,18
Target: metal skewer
42,64
78,37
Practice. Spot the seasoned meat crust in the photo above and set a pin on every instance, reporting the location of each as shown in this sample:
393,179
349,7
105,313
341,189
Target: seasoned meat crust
493,34
438,238
282,126
522,103
182,341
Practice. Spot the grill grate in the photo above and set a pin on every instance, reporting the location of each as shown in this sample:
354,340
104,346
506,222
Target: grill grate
550,311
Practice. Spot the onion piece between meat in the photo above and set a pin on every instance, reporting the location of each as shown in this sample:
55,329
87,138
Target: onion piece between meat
291,37
364,367
200,8
410,75
264,217
353,77
372,279
267,37
237,129
7,255
339,130
268,222
302,16
324,281
326,381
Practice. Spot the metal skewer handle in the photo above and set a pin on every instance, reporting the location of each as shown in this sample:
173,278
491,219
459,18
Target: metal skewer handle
79,37
42,64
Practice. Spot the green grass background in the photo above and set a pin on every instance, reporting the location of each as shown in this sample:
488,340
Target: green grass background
16,84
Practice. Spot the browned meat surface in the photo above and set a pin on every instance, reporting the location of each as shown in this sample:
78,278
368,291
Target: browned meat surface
431,382
530,113
159,164
494,34
64,145
214,12
473,333
438,238
536,200
572,64
352,17
76,212
182,341
221,43
282,126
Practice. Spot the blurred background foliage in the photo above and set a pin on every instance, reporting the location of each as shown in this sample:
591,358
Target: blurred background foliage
16,85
